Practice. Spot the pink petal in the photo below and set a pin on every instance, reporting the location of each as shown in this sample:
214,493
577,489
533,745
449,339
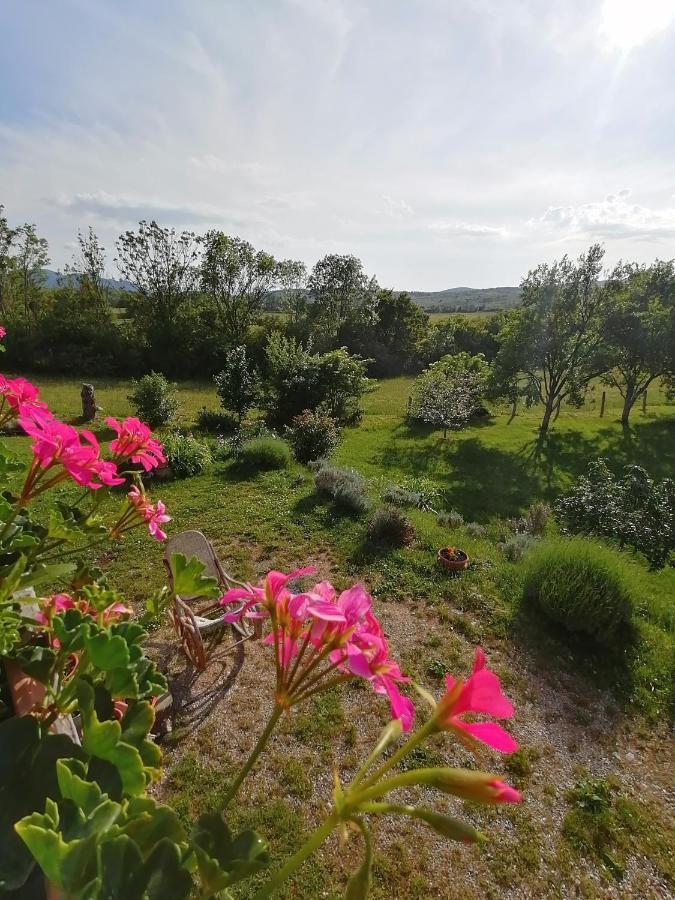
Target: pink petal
482,693
505,793
488,733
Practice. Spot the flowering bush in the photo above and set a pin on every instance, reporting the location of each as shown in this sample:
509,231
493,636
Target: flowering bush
79,807
312,435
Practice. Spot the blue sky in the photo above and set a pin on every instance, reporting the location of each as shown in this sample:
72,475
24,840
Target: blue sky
445,142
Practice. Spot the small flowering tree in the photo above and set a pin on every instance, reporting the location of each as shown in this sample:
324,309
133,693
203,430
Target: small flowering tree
80,810
447,394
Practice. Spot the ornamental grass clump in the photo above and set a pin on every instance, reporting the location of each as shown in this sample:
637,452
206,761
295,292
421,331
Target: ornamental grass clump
264,454
345,487
581,585
450,518
389,526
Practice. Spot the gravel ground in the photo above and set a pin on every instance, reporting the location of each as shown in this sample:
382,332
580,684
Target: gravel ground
572,731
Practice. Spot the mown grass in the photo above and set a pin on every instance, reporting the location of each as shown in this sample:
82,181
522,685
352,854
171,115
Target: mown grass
273,519
487,473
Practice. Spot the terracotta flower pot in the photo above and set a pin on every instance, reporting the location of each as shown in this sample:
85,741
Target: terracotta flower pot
26,692
453,565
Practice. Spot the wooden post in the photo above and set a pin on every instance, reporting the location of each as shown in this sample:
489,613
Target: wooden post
644,403
602,404
88,402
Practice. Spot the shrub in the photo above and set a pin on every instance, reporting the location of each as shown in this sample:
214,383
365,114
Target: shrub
450,519
537,518
581,585
186,455
265,454
297,380
312,436
237,385
389,526
633,509
344,486
514,548
474,530
417,492
154,399
396,495
211,421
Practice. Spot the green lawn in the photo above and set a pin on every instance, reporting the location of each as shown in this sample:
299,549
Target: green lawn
488,473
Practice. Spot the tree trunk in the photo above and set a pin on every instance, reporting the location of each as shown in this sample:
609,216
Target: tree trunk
628,402
548,411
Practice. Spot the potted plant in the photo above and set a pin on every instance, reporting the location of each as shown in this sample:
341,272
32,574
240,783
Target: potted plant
453,559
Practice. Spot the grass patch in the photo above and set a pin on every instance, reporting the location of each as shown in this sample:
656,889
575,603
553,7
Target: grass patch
607,827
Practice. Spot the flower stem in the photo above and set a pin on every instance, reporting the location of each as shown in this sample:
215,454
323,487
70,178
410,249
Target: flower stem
255,753
312,843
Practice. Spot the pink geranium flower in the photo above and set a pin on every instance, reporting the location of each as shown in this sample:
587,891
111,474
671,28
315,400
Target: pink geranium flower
480,693
52,606
134,441
75,455
2,332
332,635
139,508
17,393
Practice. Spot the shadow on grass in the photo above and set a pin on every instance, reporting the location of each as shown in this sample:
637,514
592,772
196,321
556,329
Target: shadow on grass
484,481
603,665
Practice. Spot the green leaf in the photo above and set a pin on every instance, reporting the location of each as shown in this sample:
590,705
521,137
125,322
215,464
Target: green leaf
149,822
27,780
358,885
223,860
188,580
163,876
120,862
36,661
104,740
108,651
12,579
71,776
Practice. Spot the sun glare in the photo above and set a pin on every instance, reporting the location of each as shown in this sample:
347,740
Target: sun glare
627,24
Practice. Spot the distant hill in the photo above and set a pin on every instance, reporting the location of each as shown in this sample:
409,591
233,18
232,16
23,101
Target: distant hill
53,279
458,299
467,299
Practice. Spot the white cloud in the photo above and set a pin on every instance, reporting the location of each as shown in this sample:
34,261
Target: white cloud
613,217
122,209
397,208
467,229
626,24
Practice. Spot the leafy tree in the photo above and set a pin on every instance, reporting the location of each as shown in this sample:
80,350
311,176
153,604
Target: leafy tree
237,278
639,328
549,346
162,266
341,292
32,255
7,236
88,266
297,380
292,280
237,385
393,338
448,393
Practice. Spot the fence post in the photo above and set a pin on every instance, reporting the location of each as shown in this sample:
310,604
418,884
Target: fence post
602,404
644,403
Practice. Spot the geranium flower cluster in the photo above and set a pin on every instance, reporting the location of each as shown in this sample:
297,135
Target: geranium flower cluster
321,638
61,452
57,603
139,509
